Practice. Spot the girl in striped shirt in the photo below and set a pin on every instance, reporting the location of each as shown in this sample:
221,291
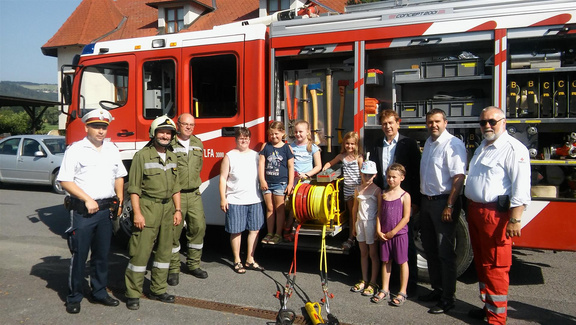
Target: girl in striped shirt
351,158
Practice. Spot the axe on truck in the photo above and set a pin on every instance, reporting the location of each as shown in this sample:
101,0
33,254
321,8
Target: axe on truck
328,110
342,90
288,101
297,96
314,89
305,102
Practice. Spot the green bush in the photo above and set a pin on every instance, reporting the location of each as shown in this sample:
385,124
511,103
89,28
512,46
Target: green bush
14,123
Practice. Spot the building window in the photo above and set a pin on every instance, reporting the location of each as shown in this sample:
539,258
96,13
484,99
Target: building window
174,19
277,5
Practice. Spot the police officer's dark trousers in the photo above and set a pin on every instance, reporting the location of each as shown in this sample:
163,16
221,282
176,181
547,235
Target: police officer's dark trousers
91,232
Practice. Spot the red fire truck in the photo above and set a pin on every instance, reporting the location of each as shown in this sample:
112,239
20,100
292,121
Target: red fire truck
339,71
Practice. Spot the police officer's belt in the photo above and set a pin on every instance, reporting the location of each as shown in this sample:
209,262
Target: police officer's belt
157,200
189,190
79,206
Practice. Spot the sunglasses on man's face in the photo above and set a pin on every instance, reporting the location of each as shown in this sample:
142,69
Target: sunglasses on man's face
491,121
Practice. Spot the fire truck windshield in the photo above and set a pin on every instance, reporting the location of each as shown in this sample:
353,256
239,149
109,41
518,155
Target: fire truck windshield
104,85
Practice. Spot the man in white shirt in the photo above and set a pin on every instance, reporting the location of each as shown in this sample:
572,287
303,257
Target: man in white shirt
442,173
498,191
92,172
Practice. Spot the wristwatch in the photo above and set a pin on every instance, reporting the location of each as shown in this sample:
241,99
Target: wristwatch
512,220
450,206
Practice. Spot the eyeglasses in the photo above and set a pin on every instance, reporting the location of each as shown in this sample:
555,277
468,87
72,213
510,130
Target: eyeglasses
186,124
491,121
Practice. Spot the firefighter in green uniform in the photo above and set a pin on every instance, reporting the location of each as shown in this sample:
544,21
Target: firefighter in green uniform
190,151
154,190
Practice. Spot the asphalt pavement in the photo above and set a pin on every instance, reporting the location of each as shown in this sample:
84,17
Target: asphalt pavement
35,259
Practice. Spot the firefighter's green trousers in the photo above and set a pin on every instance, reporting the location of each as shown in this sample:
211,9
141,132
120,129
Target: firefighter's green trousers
193,214
159,224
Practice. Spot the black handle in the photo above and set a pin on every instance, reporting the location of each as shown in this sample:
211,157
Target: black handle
229,131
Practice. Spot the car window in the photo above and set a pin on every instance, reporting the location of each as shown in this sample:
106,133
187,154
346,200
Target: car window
30,147
55,146
9,147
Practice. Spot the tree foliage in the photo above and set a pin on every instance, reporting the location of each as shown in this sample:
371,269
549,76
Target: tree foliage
14,123
51,115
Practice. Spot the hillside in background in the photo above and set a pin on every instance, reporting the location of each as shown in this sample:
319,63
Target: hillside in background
29,90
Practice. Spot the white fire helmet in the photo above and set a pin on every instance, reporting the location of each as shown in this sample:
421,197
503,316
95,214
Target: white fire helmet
162,122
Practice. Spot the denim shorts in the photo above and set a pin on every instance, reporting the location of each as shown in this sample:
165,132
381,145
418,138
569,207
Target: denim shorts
276,189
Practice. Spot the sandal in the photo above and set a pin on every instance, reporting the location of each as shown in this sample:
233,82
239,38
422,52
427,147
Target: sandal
358,286
254,266
267,239
370,289
275,239
238,268
399,299
380,296
348,243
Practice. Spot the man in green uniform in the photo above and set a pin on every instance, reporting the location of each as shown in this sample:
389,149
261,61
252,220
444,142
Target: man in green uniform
190,152
154,191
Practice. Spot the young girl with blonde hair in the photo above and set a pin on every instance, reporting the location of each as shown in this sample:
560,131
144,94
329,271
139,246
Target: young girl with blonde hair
351,158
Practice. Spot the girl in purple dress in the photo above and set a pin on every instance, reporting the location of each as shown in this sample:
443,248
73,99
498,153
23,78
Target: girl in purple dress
392,231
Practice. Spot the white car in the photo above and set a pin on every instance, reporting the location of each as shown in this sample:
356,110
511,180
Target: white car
32,159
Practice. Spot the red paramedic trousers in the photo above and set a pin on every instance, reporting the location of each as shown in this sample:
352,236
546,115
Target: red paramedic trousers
492,257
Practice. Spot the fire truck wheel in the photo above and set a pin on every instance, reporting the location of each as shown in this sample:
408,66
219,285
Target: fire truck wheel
464,254
56,186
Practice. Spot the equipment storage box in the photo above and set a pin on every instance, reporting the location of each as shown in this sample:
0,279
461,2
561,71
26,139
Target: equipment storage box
328,175
410,109
405,75
458,107
374,77
453,68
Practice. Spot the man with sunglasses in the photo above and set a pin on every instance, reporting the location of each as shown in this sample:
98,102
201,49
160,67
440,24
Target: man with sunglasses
190,152
442,171
498,191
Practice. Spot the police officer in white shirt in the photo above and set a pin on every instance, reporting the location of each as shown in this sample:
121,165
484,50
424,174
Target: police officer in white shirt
92,173
498,190
442,173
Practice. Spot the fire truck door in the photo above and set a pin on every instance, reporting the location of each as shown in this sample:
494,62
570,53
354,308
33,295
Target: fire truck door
214,95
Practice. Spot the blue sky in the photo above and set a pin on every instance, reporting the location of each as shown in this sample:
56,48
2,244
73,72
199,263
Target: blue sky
26,25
